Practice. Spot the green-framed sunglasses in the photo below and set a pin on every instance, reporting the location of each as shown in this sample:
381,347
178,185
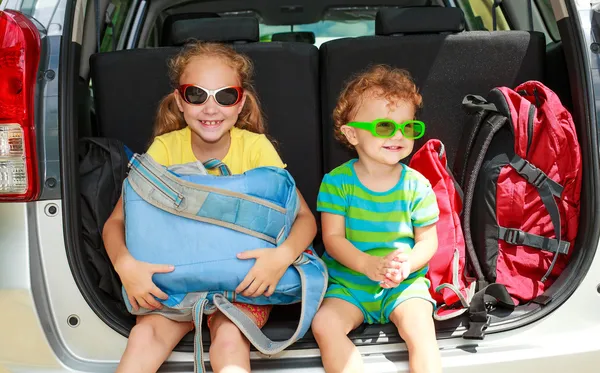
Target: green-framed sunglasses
386,128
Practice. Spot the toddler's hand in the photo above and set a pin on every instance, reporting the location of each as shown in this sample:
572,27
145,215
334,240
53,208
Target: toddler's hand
394,277
376,267
136,277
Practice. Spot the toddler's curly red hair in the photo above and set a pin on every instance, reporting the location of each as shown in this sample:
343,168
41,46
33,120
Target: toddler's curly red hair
380,81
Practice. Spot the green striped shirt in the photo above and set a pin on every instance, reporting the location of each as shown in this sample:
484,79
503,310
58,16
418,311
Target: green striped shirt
378,221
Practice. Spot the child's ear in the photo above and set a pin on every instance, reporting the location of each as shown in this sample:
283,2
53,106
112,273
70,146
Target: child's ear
350,134
242,102
178,100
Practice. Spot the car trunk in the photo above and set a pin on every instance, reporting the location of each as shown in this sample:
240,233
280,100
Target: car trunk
564,73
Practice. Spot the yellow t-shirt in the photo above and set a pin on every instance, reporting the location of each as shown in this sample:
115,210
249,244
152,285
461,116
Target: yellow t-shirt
247,150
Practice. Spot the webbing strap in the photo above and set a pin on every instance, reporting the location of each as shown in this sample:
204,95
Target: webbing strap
313,292
535,176
480,146
492,295
519,237
475,103
197,312
215,163
548,189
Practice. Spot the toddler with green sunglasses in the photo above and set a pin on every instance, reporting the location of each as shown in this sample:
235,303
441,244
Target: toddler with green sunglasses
378,223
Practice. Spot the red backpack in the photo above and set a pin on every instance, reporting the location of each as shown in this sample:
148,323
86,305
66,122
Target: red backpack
520,168
449,287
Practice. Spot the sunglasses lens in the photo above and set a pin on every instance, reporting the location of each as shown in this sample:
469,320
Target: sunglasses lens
385,128
413,130
195,95
228,96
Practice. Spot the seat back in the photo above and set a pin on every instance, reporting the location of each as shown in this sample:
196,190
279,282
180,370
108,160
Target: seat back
445,63
128,86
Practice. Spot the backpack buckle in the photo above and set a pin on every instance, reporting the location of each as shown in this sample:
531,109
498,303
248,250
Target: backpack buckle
514,236
540,179
477,329
532,174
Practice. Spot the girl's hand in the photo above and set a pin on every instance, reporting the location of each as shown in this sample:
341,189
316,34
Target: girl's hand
264,276
136,277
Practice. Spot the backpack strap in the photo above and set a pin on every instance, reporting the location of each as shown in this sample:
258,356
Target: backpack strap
475,103
494,123
535,176
548,189
479,319
216,163
198,311
490,296
480,108
518,237
314,284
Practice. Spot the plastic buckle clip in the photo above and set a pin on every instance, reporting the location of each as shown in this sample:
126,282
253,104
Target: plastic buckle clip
534,175
514,236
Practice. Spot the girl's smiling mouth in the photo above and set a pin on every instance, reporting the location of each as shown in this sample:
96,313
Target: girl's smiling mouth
210,123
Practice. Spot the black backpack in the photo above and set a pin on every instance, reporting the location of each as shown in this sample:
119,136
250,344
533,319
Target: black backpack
103,165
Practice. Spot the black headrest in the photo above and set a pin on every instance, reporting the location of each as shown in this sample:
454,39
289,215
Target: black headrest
419,20
172,18
295,36
224,29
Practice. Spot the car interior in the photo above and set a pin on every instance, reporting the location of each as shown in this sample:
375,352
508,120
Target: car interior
299,73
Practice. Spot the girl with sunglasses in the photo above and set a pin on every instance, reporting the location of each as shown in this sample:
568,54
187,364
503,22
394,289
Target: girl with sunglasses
212,114
378,224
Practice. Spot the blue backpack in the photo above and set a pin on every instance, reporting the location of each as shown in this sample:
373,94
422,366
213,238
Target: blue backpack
198,222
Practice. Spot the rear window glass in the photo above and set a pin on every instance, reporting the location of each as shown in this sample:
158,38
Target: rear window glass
478,15
115,15
336,23
547,15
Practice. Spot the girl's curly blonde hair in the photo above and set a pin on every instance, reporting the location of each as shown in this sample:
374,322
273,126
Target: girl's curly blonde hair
379,81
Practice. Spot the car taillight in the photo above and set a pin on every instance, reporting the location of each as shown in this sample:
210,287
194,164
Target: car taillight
19,58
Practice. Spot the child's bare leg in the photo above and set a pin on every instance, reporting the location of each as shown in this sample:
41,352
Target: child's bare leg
414,321
150,342
331,325
229,349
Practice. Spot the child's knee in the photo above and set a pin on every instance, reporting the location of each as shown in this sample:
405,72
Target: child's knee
420,329
142,336
411,311
328,323
415,329
227,338
319,323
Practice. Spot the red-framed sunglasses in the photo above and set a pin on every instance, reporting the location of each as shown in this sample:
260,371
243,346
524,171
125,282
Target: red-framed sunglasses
196,95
